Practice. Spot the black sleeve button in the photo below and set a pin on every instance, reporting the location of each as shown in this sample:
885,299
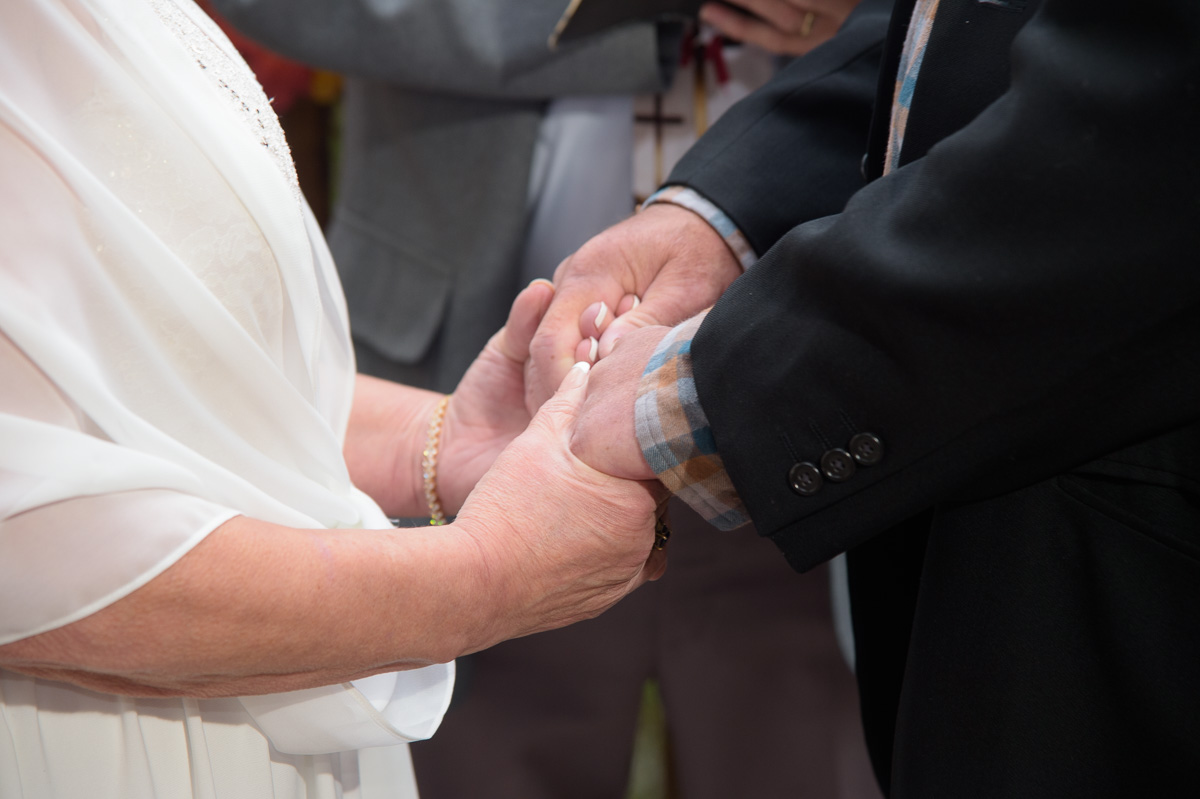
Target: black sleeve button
805,479
837,465
867,449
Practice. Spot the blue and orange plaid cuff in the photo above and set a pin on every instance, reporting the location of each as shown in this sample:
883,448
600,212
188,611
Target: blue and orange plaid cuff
698,204
675,436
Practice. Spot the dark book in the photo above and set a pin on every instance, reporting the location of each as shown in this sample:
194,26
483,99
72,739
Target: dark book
587,17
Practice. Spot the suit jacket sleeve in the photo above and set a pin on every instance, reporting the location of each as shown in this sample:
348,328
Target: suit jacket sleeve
478,48
792,151
1018,301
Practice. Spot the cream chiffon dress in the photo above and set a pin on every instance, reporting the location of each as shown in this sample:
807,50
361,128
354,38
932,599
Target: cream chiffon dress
174,351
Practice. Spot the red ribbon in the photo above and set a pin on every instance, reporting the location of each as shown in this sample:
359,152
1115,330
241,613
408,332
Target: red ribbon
711,52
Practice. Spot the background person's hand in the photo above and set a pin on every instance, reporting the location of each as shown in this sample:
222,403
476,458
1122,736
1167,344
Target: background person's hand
665,255
784,27
561,541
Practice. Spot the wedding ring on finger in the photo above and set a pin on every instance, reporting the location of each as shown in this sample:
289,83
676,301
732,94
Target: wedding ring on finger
662,534
806,25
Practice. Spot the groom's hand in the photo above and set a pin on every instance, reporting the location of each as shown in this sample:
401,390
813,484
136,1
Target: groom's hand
605,437
665,255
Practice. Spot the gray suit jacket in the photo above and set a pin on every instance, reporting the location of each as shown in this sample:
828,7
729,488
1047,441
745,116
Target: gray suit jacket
443,104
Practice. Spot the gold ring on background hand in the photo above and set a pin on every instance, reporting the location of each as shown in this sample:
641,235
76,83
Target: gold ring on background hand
806,25
662,534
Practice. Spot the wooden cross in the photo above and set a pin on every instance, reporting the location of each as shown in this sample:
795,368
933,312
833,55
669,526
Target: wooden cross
658,119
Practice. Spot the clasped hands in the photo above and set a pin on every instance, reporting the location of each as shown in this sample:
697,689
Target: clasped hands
566,514
610,305
569,505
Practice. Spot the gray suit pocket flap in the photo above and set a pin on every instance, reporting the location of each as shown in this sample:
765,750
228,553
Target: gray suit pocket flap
397,301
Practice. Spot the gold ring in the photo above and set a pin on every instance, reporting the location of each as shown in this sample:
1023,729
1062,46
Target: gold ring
806,25
662,534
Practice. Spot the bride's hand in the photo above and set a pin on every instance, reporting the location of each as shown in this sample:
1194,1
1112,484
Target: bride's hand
560,542
488,410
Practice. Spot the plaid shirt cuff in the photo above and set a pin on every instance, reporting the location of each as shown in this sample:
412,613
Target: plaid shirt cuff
698,204
674,434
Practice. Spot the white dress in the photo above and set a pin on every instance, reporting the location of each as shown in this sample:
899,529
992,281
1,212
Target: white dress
174,351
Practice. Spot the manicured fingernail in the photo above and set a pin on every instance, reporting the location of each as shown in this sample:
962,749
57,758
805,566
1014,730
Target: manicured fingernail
575,377
601,314
593,349
636,302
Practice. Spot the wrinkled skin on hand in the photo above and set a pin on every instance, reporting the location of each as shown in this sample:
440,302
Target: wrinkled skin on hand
666,255
563,540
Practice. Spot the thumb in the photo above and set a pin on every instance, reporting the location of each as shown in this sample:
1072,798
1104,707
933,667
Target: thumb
527,312
563,408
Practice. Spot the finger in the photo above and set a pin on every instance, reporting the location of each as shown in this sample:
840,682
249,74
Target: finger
587,350
554,346
527,312
628,303
836,10
563,408
595,318
778,14
656,565
624,324
575,383
792,16
798,38
656,561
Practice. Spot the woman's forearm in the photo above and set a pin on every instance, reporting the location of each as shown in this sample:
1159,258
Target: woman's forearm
384,440
543,541
259,608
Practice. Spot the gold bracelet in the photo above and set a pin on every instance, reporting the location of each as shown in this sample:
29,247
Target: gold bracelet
429,458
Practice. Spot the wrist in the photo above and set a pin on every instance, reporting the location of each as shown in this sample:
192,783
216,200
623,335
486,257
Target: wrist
431,461
410,469
384,438
454,590
489,588
706,231
450,480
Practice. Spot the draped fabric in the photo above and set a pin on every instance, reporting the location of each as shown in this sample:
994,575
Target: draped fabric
174,351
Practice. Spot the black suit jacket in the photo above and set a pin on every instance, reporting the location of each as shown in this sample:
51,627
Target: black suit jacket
1015,314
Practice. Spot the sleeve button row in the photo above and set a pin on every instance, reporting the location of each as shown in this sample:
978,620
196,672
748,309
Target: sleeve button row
837,465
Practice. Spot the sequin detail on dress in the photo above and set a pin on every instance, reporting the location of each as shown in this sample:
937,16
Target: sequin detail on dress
228,71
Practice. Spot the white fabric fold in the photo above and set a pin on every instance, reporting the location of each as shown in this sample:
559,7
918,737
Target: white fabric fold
405,706
174,349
